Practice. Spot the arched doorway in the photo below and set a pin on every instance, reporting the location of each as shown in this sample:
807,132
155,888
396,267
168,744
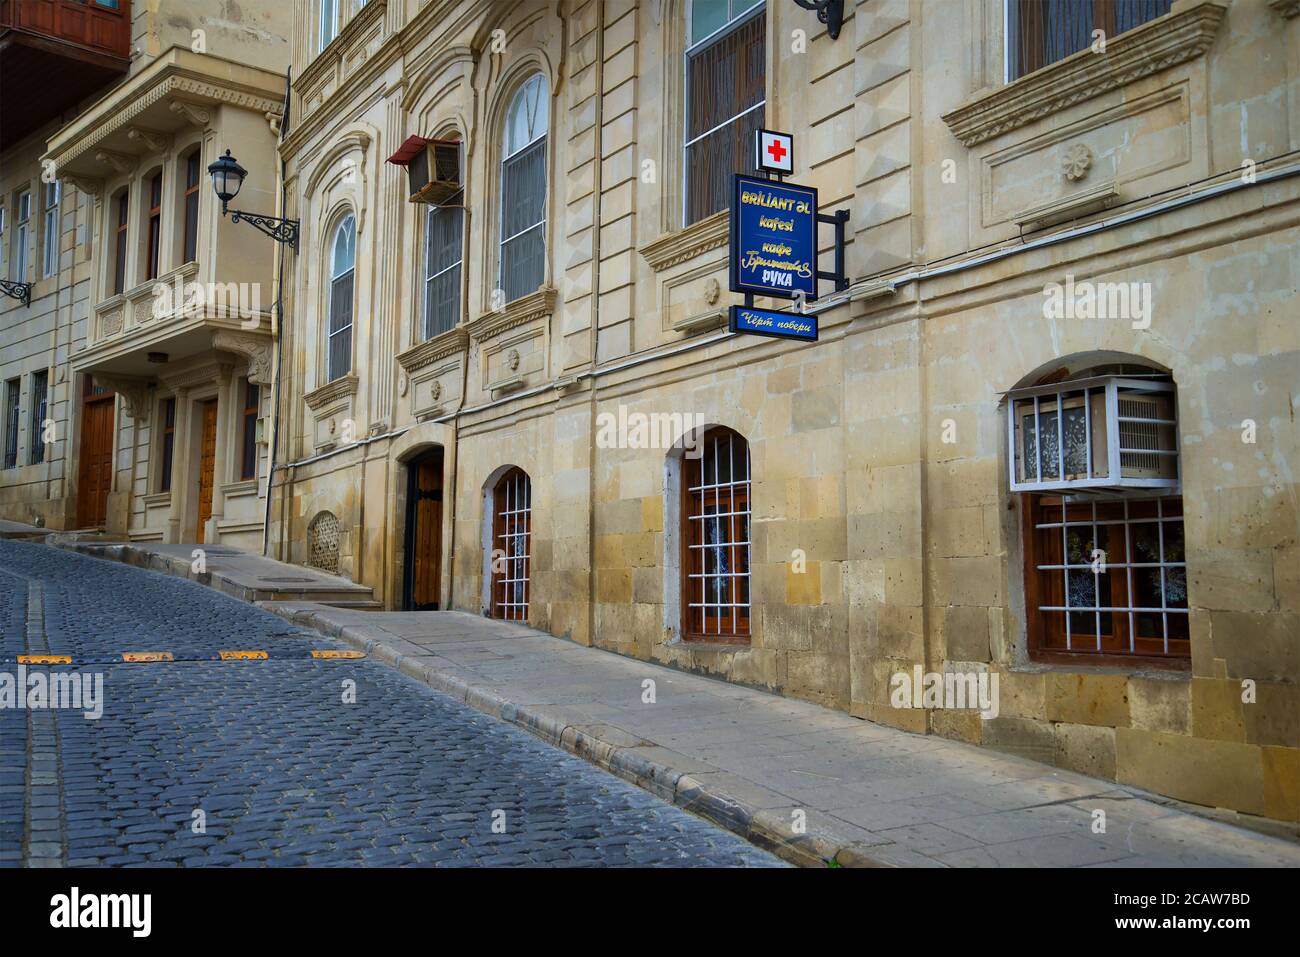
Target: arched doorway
423,576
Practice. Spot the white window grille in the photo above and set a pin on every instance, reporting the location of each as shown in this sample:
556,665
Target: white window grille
1101,433
717,517
512,502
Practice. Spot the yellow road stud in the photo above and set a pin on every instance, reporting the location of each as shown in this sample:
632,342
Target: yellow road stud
148,656
45,659
242,655
338,654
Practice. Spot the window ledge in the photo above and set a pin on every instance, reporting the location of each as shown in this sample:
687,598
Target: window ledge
705,321
240,489
157,499
1154,46
537,305
672,249
1071,207
331,392
703,644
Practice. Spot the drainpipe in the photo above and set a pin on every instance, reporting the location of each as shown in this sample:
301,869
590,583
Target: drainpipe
278,331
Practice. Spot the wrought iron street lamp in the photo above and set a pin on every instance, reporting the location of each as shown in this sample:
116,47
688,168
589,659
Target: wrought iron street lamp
829,12
22,291
227,177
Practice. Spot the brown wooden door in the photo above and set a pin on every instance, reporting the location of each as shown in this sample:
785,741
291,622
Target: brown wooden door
424,536
96,469
207,464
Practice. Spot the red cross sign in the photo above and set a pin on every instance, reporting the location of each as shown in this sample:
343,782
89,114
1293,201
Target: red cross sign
774,152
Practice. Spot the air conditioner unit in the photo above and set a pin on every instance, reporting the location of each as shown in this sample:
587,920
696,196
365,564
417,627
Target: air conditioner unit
1107,433
433,167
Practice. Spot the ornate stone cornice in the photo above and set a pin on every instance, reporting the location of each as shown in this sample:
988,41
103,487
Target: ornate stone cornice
331,392
122,162
539,305
193,113
257,349
155,140
128,101
431,350
134,393
1286,8
674,248
1154,46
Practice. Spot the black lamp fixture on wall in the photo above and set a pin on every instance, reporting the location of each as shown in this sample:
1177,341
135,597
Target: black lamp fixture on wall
829,12
227,178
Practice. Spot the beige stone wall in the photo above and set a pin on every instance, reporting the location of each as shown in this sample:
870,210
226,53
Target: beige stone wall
912,541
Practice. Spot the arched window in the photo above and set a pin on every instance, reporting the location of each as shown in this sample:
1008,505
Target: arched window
1095,456
342,270
715,538
121,218
444,249
512,513
523,190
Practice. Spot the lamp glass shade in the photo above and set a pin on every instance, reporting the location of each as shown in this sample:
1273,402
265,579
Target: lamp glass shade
227,177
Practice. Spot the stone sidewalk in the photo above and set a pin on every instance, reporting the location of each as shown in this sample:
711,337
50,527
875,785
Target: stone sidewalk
753,762
759,764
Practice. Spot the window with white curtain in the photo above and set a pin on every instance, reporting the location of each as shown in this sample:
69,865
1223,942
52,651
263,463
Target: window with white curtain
523,190
329,22
50,235
342,271
22,229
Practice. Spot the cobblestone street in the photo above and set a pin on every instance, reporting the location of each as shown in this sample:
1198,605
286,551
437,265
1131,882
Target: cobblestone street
283,771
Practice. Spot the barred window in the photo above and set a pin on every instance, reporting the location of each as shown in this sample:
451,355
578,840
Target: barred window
168,444
726,72
342,271
512,505
715,537
11,423
444,244
1107,577
523,190
1040,32
36,430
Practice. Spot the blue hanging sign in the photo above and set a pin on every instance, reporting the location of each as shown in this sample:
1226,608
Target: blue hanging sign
771,322
773,238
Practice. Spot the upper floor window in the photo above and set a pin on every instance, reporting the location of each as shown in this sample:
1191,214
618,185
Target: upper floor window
1040,32
123,215
329,22
443,231
715,538
155,226
523,190
726,71
22,232
50,228
191,166
342,270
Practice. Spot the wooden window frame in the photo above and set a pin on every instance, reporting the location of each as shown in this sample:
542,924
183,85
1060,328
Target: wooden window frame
510,522
154,224
695,47
193,180
123,200
1113,639
1025,19
167,450
248,445
698,493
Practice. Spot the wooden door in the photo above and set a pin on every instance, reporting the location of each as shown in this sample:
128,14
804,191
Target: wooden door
96,469
207,465
424,532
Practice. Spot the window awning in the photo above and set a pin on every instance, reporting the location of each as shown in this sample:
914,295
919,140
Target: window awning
409,150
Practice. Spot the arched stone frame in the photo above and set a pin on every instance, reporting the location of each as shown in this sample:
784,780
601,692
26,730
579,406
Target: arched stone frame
439,101
405,449
689,443
486,538
504,74
1071,365
333,236
339,182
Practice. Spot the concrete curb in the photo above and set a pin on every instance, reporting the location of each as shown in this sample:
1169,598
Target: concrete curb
651,767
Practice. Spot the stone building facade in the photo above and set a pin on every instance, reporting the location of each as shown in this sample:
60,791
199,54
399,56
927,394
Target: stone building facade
109,383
